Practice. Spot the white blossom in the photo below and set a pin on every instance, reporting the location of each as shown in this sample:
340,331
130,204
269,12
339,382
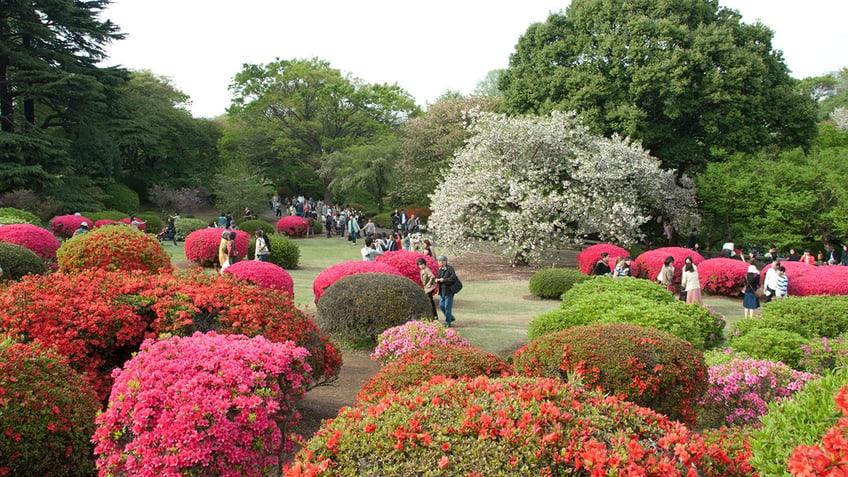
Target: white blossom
840,117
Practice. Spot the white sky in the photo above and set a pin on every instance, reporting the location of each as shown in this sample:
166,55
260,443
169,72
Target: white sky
427,48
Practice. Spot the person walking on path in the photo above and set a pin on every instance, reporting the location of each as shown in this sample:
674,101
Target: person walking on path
691,284
446,280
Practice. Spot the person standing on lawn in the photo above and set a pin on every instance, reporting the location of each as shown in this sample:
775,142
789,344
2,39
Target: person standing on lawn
446,280
428,282
752,281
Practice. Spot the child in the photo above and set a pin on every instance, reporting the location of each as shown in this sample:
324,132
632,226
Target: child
782,283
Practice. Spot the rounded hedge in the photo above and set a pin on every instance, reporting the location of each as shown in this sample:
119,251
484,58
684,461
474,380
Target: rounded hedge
399,340
250,226
66,225
406,262
330,275
644,365
121,197
152,222
771,344
185,226
264,274
201,246
648,264
284,251
38,239
693,323
809,316
357,308
46,412
551,283
623,288
19,216
18,262
292,225
722,276
589,256
112,248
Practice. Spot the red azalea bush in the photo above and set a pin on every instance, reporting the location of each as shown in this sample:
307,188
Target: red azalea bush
201,246
292,225
831,457
735,448
339,270
264,274
405,261
113,248
419,365
589,256
647,366
65,225
825,280
421,212
38,239
128,221
105,222
796,272
46,414
212,402
722,276
505,426
648,264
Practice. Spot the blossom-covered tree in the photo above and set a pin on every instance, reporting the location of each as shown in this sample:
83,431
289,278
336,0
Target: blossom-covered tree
840,117
534,183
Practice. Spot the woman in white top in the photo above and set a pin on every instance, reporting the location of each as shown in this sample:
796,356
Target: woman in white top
690,283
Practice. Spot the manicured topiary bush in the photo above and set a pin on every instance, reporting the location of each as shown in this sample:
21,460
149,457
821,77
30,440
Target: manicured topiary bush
739,391
384,220
722,356
292,225
185,226
802,420
417,366
811,317
621,288
405,261
357,308
46,413
65,225
38,239
264,274
18,216
113,215
693,323
796,272
18,261
771,344
589,256
339,270
648,264
112,248
201,246
153,224
830,456
826,280
105,222
121,197
551,283
399,340
644,365
722,276
504,426
218,403
284,251
250,226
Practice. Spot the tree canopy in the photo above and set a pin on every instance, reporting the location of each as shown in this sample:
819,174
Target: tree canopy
686,78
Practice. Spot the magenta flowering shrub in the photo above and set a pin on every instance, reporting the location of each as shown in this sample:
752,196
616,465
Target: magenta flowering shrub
201,246
807,280
264,274
105,222
405,262
399,340
38,239
739,391
587,258
292,225
128,221
207,404
722,276
65,225
648,264
339,270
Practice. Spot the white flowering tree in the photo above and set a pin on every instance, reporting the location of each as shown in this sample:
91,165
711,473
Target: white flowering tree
840,117
533,184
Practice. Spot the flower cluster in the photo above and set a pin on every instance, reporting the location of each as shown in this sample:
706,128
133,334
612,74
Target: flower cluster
722,276
113,248
46,413
826,280
339,270
65,225
399,340
648,264
829,458
264,274
207,401
739,391
38,239
201,246
405,262
797,273
292,225
589,256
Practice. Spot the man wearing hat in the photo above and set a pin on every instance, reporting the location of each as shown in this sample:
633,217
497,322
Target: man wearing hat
83,229
446,278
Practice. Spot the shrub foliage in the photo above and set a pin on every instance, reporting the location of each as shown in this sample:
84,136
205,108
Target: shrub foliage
551,283
18,262
329,276
112,248
185,226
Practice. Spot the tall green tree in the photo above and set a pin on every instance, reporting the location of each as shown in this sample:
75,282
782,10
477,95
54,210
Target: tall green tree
368,167
686,78
311,109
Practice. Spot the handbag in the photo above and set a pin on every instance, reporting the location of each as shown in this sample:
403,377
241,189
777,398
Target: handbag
457,286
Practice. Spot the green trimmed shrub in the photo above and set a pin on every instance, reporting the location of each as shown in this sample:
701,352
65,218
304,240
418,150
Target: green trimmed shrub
47,414
551,283
115,215
357,308
250,226
644,365
11,215
802,420
185,226
18,261
153,224
771,344
317,227
809,316
383,221
121,197
618,289
821,355
693,323
284,251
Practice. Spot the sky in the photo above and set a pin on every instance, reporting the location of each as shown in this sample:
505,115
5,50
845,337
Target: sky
426,48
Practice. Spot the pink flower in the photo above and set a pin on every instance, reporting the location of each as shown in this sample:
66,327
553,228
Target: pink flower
264,274
39,240
332,274
201,246
292,225
649,263
405,261
66,225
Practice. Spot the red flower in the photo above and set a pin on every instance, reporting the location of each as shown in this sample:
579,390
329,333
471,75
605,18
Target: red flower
264,274
292,225
201,246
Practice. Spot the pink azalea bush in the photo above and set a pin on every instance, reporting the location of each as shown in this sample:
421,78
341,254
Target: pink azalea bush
105,222
804,278
589,256
264,274
292,225
399,340
722,276
648,264
128,221
220,403
739,391
405,261
825,280
339,270
38,239
201,246
65,225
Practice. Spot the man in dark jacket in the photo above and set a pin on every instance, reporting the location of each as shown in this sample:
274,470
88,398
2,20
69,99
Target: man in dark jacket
446,278
602,266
